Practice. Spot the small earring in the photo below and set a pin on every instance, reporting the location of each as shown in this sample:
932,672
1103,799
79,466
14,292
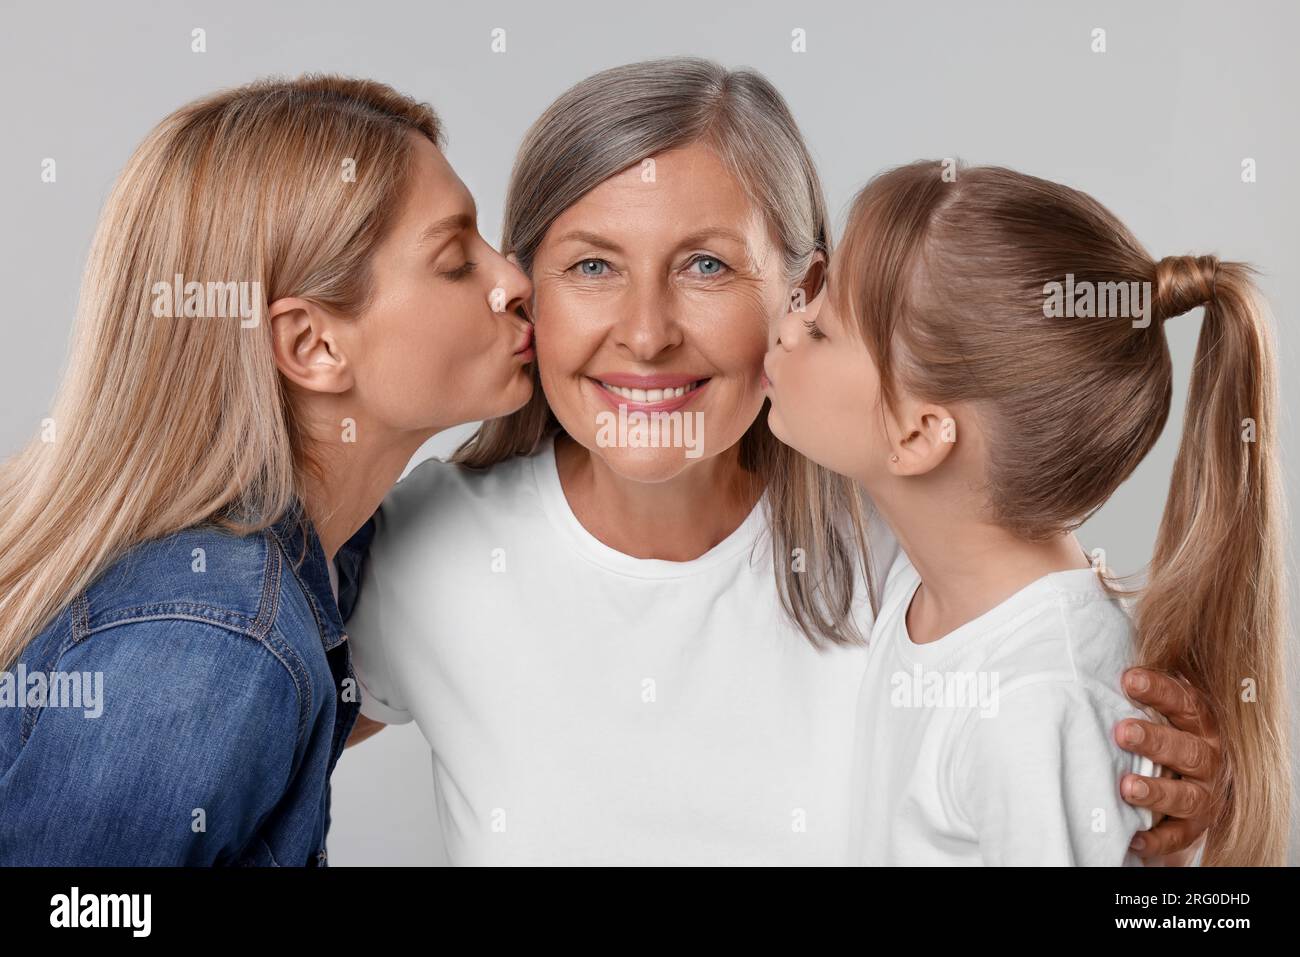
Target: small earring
893,458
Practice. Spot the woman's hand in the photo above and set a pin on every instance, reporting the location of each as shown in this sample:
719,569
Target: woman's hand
1189,746
364,728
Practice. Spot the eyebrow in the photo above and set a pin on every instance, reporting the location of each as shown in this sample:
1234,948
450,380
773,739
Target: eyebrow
715,232
451,224
694,239
590,239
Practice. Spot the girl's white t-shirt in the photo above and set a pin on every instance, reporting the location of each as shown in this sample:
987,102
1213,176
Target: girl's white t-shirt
584,706
993,745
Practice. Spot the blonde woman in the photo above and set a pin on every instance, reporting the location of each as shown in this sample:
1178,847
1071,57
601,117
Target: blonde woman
286,296
652,652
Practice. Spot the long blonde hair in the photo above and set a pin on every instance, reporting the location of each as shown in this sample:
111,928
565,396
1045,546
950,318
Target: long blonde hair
616,119
949,279
165,423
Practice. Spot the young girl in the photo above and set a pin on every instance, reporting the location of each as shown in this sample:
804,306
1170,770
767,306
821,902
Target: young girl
989,363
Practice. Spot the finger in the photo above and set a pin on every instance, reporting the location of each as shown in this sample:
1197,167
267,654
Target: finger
1188,754
1173,697
1175,798
1172,834
364,728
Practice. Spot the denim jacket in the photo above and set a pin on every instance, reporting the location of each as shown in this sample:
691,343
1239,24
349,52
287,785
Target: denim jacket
186,709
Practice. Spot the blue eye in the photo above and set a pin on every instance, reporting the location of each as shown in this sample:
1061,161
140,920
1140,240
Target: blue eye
709,266
592,267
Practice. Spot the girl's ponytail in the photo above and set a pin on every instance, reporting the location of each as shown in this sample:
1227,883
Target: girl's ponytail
1213,606
1033,303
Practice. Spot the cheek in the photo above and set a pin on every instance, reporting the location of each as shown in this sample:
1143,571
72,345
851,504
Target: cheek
567,331
732,338
739,327
817,408
856,416
456,320
433,340
435,352
413,381
801,387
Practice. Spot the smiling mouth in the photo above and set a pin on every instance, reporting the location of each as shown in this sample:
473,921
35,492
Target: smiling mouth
650,396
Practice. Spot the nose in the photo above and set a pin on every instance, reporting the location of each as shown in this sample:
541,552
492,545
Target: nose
513,290
785,331
789,329
647,324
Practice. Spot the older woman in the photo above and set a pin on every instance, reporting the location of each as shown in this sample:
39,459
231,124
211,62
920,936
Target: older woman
621,646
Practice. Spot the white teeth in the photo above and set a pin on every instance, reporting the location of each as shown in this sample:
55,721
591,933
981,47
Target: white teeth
649,395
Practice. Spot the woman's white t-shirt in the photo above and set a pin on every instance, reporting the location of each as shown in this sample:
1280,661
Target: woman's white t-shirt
584,706
993,745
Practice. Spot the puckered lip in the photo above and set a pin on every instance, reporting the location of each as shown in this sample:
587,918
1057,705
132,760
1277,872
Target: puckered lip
527,341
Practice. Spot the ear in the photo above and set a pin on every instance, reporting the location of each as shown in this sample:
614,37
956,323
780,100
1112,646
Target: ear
814,280
307,346
926,434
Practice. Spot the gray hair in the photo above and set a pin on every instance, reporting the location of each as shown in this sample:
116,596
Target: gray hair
621,116
614,120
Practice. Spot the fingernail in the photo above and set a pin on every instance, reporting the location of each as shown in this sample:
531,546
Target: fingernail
1133,733
1138,681
1139,789
1137,843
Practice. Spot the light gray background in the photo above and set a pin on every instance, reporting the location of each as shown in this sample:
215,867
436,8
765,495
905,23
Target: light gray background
1156,128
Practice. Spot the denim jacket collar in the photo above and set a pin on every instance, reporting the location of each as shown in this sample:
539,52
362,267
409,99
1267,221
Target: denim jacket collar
302,547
